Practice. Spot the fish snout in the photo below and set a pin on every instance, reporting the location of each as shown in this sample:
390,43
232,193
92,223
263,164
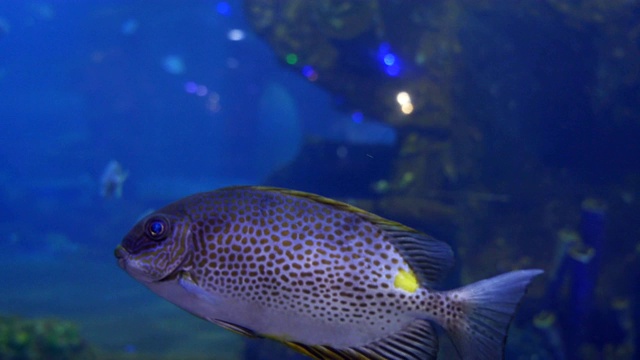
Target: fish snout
121,254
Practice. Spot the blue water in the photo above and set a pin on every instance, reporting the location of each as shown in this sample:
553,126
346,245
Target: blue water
166,91
188,98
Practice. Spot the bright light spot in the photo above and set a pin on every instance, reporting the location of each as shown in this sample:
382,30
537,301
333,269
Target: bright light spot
173,64
129,27
407,108
403,98
235,35
291,59
389,59
223,8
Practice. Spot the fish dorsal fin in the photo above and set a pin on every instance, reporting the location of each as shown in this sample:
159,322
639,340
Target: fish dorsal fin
236,328
430,259
418,341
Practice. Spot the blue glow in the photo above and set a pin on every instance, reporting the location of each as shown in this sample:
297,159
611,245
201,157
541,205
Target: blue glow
308,71
389,59
129,27
223,8
357,117
173,64
383,49
393,70
191,87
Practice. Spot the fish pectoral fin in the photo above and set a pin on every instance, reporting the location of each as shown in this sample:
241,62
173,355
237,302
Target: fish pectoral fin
418,341
188,284
235,328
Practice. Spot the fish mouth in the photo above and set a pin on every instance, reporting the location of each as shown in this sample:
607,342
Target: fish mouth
121,255
129,264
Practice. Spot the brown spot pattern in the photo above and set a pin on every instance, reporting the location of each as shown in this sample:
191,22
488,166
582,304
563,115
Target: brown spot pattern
293,253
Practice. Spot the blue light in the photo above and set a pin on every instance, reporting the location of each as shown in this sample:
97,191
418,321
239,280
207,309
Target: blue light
392,70
357,117
223,8
383,49
191,87
389,59
307,71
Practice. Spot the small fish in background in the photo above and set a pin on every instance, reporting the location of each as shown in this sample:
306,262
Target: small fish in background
330,280
112,180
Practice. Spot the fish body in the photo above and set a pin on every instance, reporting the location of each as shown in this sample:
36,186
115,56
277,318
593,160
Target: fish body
324,277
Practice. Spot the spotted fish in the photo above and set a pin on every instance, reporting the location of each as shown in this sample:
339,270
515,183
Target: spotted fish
326,278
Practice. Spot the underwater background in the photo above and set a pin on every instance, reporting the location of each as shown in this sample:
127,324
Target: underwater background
509,129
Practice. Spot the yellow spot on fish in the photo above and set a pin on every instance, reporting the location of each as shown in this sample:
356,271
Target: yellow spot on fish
406,281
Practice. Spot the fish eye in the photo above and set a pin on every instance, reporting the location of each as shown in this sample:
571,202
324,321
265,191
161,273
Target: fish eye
157,228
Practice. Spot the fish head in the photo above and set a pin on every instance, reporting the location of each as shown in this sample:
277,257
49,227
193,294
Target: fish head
157,247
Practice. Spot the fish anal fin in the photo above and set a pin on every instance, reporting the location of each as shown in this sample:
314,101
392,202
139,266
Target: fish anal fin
236,328
418,341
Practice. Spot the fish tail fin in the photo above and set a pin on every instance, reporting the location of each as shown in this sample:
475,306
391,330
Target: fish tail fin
482,313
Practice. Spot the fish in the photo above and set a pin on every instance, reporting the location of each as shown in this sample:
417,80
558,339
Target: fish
112,180
328,279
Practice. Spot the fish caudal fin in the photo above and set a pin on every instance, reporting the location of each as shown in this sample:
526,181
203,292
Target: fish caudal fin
484,311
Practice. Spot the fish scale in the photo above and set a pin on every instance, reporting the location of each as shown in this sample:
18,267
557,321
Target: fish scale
326,263
328,279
